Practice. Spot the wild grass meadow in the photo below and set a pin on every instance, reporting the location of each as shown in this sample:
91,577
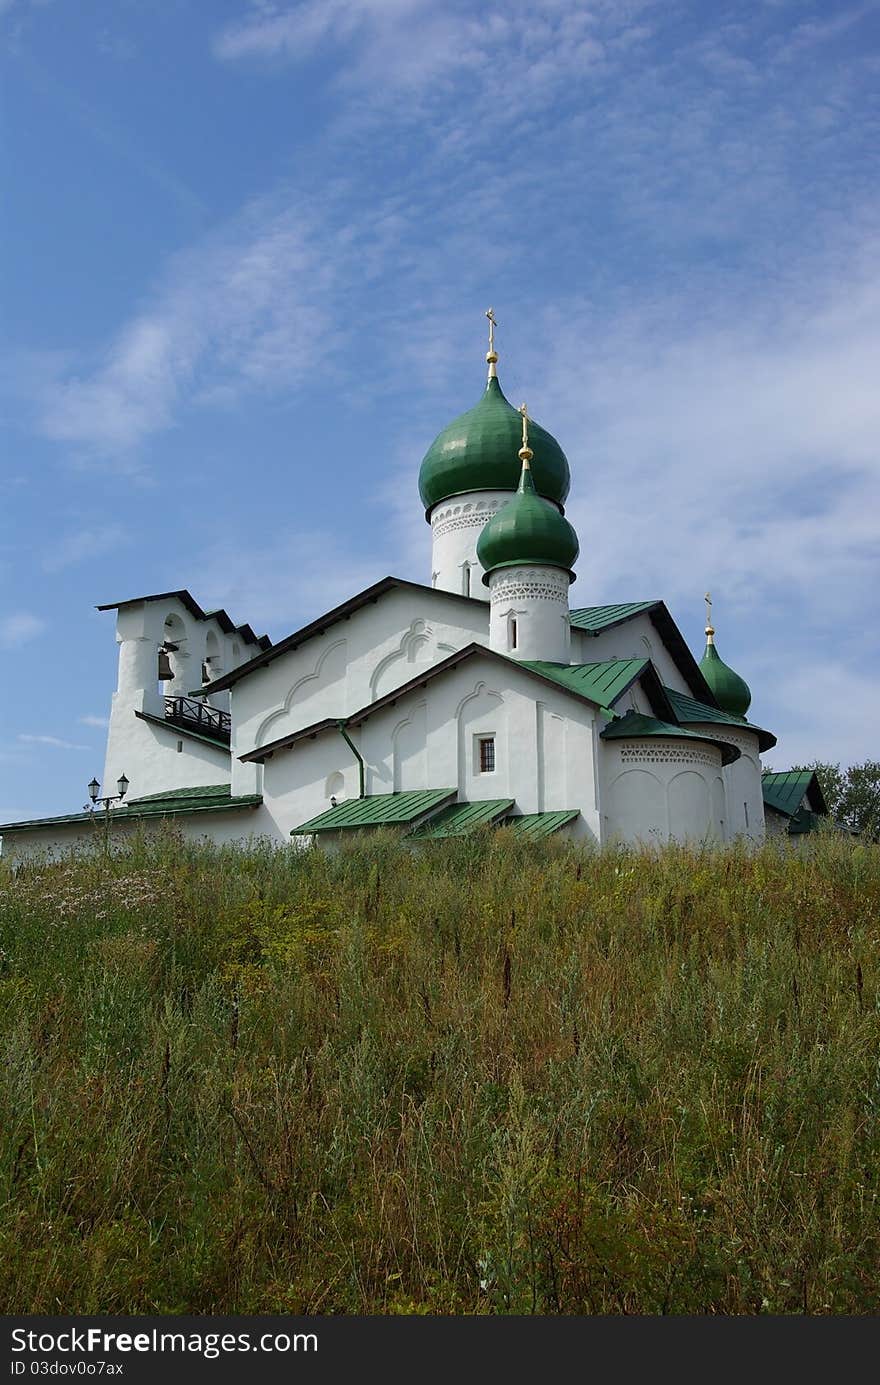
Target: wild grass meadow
480,1077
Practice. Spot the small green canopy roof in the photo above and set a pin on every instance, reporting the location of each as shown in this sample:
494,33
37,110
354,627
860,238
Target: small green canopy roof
635,726
461,818
378,810
527,531
534,825
478,452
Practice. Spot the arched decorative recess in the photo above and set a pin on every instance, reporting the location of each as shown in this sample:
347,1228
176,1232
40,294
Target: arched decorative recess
329,667
418,639
480,710
637,807
690,812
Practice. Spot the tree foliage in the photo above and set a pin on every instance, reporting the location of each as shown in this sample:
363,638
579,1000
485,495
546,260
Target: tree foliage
852,794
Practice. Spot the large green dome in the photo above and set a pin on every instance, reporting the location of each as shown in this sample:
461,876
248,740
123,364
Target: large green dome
527,531
478,452
732,693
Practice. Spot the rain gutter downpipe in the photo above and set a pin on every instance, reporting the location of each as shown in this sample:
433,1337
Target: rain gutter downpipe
340,725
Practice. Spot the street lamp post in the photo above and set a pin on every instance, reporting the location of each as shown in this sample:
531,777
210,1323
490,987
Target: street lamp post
96,797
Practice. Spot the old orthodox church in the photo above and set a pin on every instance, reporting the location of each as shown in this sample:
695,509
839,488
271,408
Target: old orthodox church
481,698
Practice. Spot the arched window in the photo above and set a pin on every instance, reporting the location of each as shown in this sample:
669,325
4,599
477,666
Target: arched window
213,664
172,653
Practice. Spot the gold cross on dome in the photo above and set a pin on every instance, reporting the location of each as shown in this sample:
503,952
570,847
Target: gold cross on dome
490,313
525,418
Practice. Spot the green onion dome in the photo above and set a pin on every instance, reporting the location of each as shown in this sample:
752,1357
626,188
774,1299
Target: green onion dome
478,453
732,693
527,531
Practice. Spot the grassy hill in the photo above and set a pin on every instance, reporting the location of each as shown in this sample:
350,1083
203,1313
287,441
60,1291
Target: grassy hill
480,1077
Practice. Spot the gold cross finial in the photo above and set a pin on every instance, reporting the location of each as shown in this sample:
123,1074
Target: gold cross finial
709,628
525,452
492,354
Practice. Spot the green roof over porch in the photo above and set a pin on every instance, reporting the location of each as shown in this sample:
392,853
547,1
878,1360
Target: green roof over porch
380,810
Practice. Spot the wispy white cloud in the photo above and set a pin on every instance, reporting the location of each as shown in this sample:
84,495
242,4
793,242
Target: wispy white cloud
19,628
243,310
85,544
53,742
100,722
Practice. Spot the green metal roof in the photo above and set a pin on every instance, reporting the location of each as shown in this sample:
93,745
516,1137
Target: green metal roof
184,731
380,810
688,709
172,803
461,818
534,825
478,451
785,791
527,531
729,690
599,617
636,726
601,682
198,795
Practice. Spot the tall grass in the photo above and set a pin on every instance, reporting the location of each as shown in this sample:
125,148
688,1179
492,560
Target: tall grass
480,1077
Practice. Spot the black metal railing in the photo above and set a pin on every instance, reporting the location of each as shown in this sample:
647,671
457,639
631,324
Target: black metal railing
193,715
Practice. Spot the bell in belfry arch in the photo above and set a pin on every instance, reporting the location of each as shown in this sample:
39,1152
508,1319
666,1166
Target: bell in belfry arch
166,672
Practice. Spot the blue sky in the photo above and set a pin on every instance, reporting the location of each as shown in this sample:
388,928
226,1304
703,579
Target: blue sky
246,252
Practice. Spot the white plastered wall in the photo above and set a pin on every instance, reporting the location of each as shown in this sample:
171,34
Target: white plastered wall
357,660
744,800
637,638
544,749
456,525
55,842
656,790
529,615
155,758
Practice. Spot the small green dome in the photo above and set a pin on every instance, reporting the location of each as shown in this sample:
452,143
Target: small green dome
732,693
527,530
478,452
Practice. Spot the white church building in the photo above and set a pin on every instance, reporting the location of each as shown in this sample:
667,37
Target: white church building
483,697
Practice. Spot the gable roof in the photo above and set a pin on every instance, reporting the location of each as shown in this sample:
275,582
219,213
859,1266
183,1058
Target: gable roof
785,791
636,726
551,674
606,681
210,798
324,622
595,620
688,709
226,624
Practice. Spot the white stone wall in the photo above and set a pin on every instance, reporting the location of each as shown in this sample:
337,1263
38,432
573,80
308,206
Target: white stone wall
359,659
456,525
55,843
528,613
744,801
156,758
633,639
544,749
656,790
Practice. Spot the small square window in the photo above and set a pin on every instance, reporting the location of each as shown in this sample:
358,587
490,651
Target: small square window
487,754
